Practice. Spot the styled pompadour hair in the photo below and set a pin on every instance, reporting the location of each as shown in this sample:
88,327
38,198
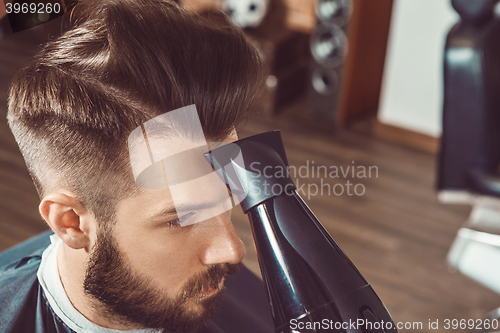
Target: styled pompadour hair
122,63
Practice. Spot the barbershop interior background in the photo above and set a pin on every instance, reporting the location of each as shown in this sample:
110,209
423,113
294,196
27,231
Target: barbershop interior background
395,99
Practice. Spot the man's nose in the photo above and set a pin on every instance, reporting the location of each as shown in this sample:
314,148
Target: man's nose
223,244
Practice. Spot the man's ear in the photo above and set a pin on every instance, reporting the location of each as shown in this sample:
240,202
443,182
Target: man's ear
68,218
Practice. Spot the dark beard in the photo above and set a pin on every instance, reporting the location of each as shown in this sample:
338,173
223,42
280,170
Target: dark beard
126,297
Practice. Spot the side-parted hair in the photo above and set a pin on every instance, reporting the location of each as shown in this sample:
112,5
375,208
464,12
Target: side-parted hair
122,63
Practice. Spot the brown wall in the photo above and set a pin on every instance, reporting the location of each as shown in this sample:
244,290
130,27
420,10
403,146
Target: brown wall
362,77
2,10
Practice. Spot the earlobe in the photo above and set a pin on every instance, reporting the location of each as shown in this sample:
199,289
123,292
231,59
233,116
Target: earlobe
68,219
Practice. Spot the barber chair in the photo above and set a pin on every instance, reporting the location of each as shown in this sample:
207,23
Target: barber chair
470,150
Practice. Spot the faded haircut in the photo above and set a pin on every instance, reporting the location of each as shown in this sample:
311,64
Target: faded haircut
122,63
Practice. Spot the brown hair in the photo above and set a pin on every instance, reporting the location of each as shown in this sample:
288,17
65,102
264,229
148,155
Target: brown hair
121,64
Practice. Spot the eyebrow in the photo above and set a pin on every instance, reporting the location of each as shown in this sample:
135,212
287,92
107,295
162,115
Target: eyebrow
166,211
190,207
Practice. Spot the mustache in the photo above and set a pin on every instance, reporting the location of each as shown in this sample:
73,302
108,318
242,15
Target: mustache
209,279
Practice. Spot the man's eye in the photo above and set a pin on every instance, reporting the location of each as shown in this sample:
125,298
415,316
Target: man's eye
177,222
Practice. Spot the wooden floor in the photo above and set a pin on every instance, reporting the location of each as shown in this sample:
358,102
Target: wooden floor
396,233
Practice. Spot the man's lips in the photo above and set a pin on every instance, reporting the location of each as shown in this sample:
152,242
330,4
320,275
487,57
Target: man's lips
210,282
206,292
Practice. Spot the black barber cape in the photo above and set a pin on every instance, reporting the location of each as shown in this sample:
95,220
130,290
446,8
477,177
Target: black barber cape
24,309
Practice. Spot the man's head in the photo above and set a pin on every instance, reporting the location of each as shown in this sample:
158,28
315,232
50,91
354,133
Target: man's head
71,111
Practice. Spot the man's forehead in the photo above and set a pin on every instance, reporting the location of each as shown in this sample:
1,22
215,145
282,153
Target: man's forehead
189,181
146,150
163,159
167,152
195,197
